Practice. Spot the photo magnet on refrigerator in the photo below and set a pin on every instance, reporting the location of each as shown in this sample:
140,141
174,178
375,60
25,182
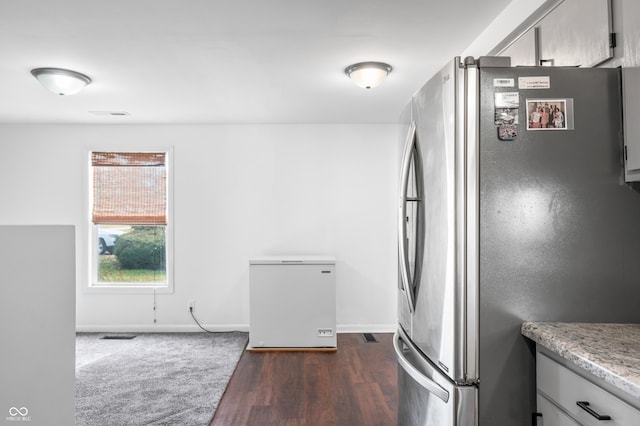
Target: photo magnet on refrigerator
506,107
507,132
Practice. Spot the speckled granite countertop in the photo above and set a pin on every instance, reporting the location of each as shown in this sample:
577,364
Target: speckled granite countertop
608,351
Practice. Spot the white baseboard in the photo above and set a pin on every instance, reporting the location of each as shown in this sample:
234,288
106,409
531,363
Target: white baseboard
367,328
159,328
192,328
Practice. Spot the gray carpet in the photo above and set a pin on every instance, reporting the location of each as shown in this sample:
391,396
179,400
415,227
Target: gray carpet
154,379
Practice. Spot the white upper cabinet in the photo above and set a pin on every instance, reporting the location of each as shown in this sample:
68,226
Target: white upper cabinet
523,50
574,33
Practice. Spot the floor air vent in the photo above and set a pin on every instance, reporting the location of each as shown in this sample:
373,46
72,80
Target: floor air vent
369,338
118,337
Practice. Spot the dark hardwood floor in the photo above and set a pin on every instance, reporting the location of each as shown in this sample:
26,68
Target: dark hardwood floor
356,385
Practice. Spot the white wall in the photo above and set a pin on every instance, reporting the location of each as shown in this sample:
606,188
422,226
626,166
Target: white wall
239,191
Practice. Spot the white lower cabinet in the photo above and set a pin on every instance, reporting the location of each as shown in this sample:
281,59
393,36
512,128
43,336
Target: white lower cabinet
552,415
567,399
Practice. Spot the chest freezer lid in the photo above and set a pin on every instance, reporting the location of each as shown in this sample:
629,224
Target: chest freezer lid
293,260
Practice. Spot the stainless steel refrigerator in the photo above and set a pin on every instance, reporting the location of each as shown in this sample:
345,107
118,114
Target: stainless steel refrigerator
512,208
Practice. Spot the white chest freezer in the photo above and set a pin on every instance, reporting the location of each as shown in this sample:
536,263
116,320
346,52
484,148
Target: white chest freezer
292,302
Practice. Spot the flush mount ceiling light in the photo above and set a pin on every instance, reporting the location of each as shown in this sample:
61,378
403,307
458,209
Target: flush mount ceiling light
59,81
368,74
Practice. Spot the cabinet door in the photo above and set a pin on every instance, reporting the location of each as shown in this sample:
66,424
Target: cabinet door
576,33
566,388
631,96
552,415
523,50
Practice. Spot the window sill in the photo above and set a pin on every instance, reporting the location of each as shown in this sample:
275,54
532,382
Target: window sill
129,289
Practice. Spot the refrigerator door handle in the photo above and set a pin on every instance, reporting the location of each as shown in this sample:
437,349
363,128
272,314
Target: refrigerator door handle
402,228
412,371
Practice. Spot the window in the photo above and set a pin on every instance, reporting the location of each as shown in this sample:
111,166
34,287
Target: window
129,219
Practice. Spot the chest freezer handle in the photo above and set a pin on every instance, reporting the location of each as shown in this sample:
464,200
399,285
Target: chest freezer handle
415,374
402,228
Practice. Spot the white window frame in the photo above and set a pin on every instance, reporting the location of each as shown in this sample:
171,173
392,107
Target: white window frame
91,255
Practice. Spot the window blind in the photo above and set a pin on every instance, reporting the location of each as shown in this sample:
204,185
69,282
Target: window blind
129,188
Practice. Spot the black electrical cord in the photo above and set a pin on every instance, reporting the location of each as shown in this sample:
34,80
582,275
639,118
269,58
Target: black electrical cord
196,320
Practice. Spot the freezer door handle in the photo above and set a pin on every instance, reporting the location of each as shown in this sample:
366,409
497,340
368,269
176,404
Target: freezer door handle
412,371
402,214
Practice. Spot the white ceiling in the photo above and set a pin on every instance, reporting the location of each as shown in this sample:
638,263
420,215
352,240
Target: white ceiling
213,61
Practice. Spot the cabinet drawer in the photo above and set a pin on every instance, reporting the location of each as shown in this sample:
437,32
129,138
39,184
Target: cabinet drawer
551,415
565,388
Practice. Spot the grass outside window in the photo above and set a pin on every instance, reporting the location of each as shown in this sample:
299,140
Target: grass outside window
109,271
